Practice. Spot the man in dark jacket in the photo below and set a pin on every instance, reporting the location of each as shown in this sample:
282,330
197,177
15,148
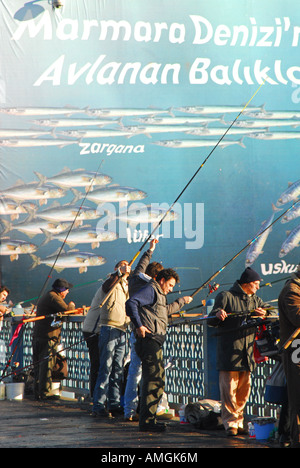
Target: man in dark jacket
46,338
289,321
235,360
148,311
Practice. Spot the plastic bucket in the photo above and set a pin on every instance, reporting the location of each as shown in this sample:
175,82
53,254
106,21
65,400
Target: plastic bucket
263,428
15,390
2,391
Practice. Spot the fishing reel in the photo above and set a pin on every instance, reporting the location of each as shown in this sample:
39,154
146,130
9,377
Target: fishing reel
56,322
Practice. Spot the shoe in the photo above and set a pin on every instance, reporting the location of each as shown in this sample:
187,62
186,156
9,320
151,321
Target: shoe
152,427
242,431
131,418
231,431
118,411
102,414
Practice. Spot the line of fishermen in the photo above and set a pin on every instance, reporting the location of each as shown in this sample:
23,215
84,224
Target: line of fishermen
139,299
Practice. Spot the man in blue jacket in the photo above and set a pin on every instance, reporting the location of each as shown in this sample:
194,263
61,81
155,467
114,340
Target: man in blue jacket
149,311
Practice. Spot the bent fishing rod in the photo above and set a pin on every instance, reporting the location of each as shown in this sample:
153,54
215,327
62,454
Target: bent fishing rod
181,193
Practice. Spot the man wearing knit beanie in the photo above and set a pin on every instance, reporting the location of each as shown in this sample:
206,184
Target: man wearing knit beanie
235,360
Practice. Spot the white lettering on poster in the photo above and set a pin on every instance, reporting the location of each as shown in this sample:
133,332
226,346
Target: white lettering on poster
196,29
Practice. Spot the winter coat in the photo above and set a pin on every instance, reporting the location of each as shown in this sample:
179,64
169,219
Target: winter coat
235,344
289,308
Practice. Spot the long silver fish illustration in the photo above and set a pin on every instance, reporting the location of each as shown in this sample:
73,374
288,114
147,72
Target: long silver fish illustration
77,178
68,212
115,193
125,112
273,114
291,242
100,133
30,111
256,248
275,135
187,119
33,191
14,248
290,194
265,123
30,142
75,122
196,143
82,235
15,133
71,259
207,131
216,109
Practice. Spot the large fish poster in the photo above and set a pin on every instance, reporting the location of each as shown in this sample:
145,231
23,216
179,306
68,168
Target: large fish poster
116,115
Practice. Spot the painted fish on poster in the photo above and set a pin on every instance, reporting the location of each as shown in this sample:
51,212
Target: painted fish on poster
36,226
256,248
30,142
290,194
177,120
70,259
14,208
14,248
33,191
266,123
115,193
274,114
216,109
82,235
207,131
291,242
100,133
15,133
146,214
293,213
77,178
275,135
68,212
75,122
123,112
30,111
197,143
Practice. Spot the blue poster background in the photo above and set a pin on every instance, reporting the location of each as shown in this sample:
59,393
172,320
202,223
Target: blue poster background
132,65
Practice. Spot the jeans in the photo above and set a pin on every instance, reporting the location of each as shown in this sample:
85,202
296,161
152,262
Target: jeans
131,397
108,384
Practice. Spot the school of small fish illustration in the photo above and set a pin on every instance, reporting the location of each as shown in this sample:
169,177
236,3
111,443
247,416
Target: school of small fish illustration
192,127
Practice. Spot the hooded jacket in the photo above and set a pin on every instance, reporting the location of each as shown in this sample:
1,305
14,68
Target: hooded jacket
235,345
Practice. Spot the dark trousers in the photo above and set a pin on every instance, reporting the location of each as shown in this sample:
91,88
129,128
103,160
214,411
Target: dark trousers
292,373
44,359
92,344
153,378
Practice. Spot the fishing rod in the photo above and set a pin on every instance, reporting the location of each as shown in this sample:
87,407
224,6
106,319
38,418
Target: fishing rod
241,251
181,193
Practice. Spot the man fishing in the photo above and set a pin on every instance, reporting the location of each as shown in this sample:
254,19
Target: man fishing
148,311
235,360
46,338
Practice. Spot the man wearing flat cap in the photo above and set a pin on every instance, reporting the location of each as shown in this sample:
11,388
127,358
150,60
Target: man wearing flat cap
235,360
46,338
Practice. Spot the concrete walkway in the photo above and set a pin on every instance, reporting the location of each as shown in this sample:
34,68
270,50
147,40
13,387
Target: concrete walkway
69,424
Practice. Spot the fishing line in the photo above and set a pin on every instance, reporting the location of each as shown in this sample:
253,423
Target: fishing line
242,250
183,190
